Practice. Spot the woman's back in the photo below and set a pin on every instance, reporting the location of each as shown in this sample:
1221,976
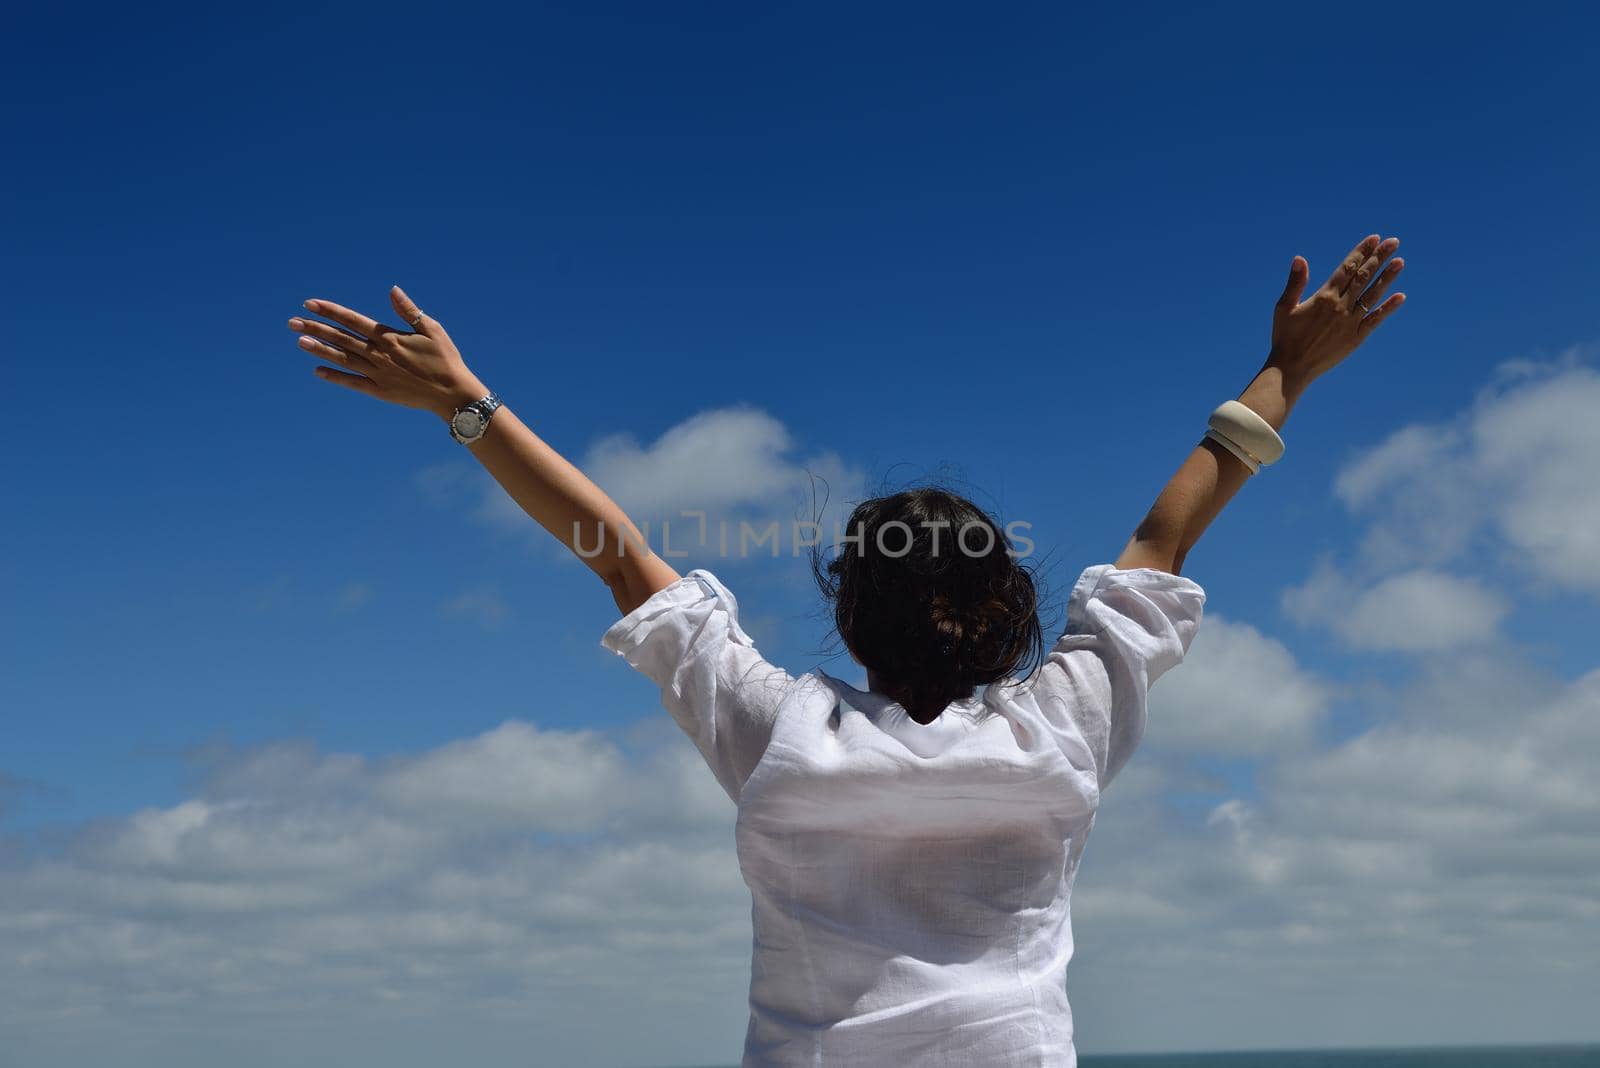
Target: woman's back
910,882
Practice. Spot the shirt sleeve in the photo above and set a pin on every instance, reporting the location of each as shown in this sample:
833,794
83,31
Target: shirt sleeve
1125,629
686,638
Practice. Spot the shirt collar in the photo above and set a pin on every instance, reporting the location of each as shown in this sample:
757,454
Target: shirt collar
884,710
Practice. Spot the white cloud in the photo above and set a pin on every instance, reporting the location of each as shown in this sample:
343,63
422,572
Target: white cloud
1510,481
516,884
736,465
1238,691
1369,881
1416,611
444,483
1505,488
1395,460
485,607
716,461
512,774
525,881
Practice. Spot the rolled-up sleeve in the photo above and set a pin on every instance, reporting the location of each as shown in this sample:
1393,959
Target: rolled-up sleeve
1125,629
686,638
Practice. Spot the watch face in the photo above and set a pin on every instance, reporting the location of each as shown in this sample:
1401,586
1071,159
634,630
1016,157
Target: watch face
468,424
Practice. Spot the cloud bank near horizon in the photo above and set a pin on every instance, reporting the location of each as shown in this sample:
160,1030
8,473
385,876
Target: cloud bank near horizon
1293,859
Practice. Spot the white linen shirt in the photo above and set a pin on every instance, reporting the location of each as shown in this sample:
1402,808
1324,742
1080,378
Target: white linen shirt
910,883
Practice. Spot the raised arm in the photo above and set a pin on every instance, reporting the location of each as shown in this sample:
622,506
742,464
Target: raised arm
424,370
1308,338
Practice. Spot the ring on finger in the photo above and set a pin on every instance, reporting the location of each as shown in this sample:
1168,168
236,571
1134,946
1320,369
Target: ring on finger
1363,306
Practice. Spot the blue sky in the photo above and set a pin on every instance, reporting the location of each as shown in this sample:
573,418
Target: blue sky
1032,247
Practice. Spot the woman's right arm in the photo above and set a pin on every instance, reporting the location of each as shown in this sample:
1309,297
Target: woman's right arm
423,369
1308,339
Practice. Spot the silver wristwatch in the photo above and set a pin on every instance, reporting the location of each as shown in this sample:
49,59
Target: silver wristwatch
472,420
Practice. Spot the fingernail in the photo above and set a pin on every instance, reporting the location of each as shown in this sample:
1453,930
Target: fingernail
295,324
311,304
306,343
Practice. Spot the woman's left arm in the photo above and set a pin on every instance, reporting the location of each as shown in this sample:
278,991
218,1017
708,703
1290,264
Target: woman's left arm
424,370
1309,338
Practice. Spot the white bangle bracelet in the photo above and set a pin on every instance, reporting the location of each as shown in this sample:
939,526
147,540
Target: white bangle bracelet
1244,457
1239,425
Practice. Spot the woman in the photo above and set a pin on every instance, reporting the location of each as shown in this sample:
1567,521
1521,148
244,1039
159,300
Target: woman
910,848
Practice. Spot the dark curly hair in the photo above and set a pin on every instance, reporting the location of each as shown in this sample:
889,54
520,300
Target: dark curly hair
929,597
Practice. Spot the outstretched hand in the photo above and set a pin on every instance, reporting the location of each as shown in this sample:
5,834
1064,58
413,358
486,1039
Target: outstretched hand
418,367
1310,337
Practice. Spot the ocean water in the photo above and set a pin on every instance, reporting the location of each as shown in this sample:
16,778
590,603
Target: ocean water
1460,1057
